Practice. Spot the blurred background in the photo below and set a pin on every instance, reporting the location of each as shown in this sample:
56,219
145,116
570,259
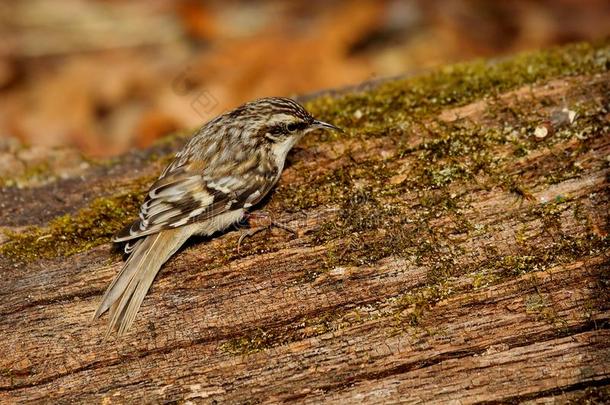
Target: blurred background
108,75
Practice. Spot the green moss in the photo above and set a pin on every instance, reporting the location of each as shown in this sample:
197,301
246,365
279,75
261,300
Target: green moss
406,310
412,306
376,222
452,160
541,308
255,342
262,339
314,190
563,249
70,234
409,310
393,107
367,229
462,151
483,279
33,174
513,184
452,156
89,227
550,212
454,152
379,218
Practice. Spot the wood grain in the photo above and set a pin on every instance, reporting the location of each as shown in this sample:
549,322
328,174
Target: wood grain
519,313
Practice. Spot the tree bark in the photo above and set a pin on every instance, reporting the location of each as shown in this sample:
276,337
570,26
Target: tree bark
458,256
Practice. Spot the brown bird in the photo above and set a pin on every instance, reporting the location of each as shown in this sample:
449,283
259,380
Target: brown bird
226,168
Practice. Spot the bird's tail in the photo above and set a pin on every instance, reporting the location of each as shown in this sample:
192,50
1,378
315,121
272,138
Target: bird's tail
126,292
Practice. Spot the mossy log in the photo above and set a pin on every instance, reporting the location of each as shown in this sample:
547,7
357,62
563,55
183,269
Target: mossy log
452,246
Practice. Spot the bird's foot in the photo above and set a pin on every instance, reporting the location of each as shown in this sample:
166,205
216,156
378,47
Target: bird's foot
260,221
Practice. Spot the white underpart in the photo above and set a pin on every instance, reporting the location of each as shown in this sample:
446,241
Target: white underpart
280,150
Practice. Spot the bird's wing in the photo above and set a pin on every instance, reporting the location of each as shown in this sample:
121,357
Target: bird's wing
183,196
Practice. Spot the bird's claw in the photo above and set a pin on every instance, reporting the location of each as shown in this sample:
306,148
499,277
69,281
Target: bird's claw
268,224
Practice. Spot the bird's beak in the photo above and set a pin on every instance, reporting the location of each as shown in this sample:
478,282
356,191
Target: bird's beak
325,125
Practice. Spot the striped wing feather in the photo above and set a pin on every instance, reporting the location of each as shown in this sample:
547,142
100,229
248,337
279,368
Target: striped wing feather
182,197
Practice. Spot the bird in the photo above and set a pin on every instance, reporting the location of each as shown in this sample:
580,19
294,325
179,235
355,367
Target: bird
226,168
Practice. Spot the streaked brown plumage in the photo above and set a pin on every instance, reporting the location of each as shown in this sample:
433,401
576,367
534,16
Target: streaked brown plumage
228,166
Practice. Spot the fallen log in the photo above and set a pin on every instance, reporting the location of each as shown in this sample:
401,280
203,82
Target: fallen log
453,246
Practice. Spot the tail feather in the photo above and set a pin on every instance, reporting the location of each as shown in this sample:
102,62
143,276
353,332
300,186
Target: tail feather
118,284
125,294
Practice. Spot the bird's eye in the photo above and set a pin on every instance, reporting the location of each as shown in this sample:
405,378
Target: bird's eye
293,127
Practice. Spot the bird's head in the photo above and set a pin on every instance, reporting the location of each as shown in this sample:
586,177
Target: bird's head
279,121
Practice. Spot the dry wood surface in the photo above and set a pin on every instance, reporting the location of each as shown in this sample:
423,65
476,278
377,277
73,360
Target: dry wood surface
467,291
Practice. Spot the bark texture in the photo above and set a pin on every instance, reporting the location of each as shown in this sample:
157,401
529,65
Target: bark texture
461,255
